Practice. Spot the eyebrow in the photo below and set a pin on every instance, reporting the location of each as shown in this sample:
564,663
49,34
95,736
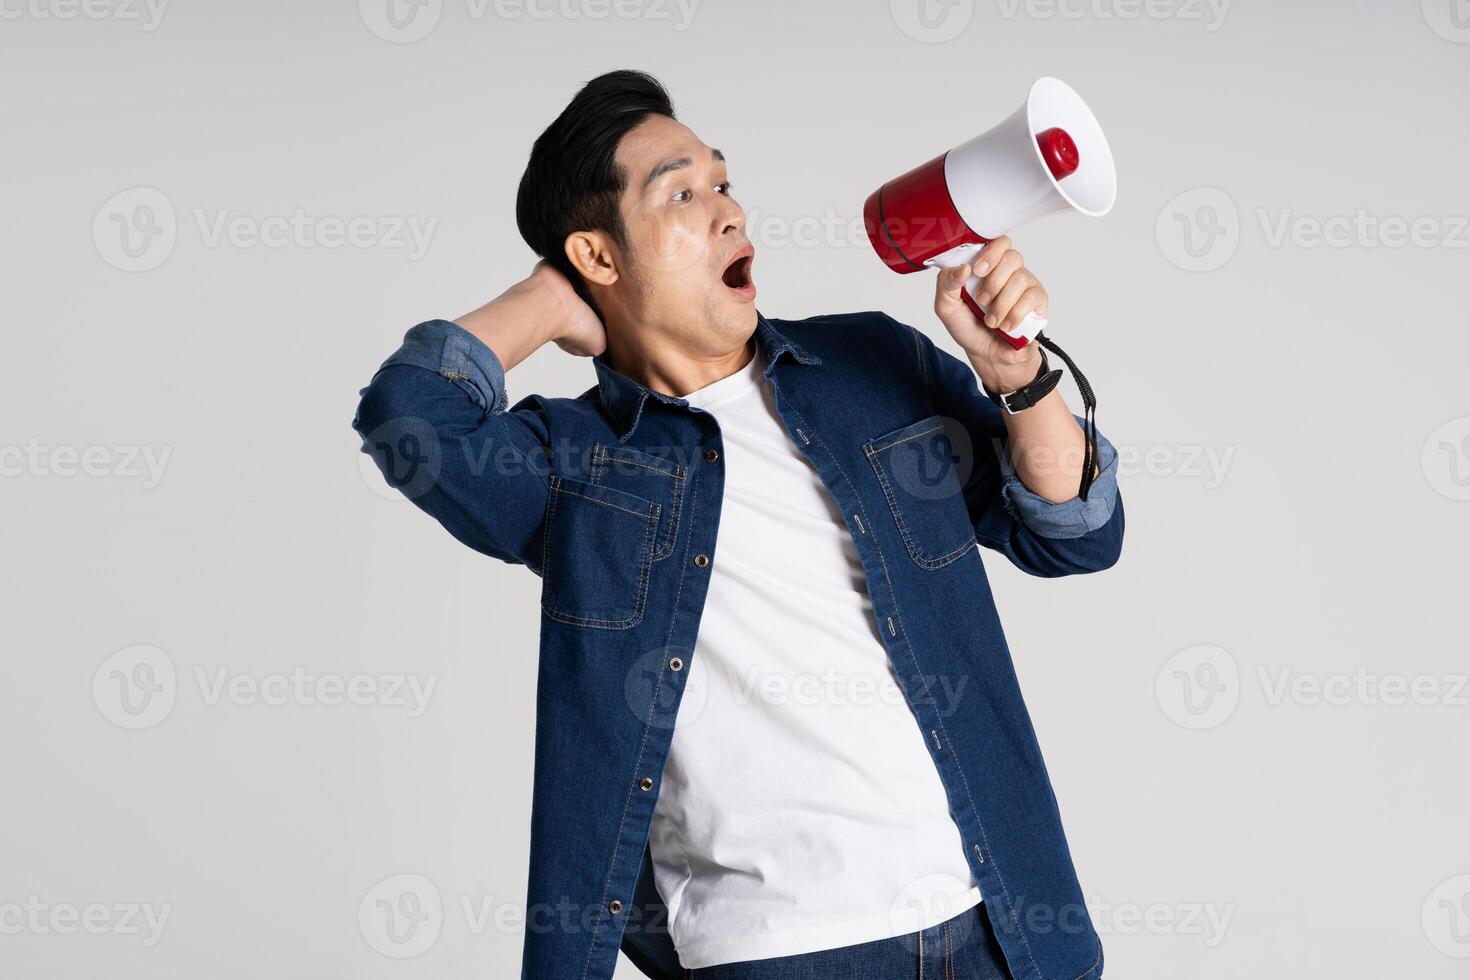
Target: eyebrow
678,164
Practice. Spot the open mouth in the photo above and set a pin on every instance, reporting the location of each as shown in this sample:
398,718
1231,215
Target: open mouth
737,272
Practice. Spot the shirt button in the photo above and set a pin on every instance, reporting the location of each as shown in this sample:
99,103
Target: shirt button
676,664
701,560
615,906
645,784
710,455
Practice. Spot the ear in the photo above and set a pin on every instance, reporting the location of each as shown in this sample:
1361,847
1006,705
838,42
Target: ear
591,254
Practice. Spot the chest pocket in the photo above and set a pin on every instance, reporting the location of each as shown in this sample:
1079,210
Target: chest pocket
651,477
916,469
597,554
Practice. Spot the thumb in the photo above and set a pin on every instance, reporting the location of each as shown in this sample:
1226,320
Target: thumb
953,279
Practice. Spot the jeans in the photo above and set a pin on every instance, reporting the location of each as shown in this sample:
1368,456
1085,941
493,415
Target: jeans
962,948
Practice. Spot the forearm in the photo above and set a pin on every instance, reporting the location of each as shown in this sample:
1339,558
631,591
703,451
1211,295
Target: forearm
1047,447
514,324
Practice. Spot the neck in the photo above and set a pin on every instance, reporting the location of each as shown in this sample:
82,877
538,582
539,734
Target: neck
671,369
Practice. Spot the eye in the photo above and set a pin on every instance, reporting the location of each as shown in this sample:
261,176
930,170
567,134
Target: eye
682,196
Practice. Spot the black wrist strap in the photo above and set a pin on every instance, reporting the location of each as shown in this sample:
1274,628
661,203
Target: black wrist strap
1089,413
1037,389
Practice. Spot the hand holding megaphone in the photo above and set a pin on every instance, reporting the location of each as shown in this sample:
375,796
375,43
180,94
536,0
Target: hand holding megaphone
998,280
1049,155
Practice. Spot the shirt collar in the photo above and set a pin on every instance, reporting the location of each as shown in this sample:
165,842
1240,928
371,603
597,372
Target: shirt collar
623,398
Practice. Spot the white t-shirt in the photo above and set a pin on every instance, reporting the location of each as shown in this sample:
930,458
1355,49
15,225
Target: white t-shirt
800,808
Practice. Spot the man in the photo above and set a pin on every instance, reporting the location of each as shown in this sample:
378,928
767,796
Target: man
778,729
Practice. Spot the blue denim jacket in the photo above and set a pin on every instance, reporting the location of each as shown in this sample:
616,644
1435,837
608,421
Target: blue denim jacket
613,499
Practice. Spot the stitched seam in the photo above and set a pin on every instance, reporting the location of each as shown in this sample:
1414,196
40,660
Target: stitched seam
650,522
928,563
600,455
919,354
878,445
603,453
1097,942
678,593
1005,889
627,510
622,821
675,506
633,618
919,673
546,536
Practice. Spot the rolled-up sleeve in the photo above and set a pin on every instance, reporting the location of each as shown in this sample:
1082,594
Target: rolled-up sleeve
1072,518
435,419
451,351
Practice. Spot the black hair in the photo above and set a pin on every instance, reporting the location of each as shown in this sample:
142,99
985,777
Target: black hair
571,182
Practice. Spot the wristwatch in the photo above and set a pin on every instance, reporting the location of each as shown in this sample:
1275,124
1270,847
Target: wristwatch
1023,398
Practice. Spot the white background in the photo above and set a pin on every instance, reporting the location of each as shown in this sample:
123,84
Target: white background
1292,410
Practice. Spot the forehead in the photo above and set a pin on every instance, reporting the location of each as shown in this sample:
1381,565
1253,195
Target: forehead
654,141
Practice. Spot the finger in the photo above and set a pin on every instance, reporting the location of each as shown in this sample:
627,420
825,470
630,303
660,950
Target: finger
1000,307
1010,264
1033,300
952,280
991,254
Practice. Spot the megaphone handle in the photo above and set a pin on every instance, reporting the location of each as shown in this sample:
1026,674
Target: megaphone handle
1025,331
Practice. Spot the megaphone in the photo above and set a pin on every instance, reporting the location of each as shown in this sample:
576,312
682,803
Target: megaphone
1049,155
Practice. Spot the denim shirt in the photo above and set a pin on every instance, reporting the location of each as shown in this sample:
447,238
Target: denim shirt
613,499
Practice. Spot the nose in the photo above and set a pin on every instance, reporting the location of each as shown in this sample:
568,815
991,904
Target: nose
729,216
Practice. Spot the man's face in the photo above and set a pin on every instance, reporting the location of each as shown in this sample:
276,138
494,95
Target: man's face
685,274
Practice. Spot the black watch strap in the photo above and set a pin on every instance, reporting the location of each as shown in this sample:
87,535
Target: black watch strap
1023,398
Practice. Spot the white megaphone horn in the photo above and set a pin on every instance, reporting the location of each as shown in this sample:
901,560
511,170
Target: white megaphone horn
1049,155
